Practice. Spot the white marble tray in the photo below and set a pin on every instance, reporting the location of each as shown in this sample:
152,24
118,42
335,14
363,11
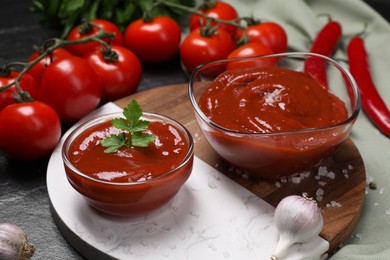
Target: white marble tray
211,217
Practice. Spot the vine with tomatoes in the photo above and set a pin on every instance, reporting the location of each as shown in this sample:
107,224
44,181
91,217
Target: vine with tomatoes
99,61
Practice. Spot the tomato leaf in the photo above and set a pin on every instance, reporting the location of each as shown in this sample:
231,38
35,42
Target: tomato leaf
133,127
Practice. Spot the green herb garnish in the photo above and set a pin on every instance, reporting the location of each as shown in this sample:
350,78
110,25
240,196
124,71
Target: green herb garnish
133,127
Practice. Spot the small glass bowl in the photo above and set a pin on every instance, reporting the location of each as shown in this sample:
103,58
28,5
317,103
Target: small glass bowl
276,154
132,198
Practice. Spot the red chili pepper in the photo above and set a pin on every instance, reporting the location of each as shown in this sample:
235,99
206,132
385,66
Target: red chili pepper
324,43
372,103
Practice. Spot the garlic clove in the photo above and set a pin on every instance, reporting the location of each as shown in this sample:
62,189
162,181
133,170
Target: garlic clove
13,243
297,219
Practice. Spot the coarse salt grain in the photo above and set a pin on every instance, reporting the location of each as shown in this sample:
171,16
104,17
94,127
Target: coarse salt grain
346,176
376,204
277,184
350,167
344,171
296,179
322,171
381,190
358,236
331,175
320,192
387,212
322,183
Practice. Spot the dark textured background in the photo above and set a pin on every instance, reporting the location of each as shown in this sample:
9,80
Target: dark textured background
23,193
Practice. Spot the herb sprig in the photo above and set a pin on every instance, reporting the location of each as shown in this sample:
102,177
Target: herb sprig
133,126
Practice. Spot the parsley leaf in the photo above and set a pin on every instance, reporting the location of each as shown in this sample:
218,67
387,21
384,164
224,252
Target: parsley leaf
133,130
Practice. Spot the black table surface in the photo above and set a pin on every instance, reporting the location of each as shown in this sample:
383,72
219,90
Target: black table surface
23,193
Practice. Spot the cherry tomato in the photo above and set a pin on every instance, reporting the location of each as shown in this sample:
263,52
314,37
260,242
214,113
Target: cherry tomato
83,49
27,83
118,78
251,49
37,70
153,41
197,49
29,131
71,87
270,34
221,11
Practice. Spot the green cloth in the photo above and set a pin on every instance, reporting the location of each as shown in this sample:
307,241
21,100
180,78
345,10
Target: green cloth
371,238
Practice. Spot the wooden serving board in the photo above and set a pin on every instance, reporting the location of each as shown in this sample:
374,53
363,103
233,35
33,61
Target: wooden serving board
342,194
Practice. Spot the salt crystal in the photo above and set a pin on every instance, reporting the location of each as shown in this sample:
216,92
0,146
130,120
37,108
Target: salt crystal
350,167
296,179
331,175
317,177
245,176
320,192
283,180
277,184
381,190
346,176
358,236
319,198
322,171
387,212
376,204
344,171
322,183
216,165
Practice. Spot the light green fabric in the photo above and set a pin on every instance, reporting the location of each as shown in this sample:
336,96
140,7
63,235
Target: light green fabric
371,238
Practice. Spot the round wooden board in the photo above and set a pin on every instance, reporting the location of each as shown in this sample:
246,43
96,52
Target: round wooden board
343,195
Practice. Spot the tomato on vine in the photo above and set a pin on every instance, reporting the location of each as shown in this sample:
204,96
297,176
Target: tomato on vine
118,70
202,46
270,34
218,10
71,87
29,131
37,70
27,83
251,49
87,29
155,40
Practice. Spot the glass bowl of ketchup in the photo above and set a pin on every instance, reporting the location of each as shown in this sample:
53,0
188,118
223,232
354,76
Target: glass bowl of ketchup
132,180
274,121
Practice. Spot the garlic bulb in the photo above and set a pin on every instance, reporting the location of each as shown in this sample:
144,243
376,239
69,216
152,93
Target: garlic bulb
13,243
297,219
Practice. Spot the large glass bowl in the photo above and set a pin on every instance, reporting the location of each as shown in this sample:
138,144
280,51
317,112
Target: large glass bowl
129,198
276,154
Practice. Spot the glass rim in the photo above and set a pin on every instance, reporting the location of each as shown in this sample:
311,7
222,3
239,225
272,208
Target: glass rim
348,76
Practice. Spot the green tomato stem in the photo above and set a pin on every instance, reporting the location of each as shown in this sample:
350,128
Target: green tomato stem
48,47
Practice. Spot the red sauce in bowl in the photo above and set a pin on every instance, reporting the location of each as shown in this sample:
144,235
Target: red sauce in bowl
270,99
132,180
272,122
129,164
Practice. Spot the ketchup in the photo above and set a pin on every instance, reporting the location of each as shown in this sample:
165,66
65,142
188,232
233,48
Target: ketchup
270,99
263,107
129,164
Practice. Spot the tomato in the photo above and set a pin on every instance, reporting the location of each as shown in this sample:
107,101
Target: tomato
221,11
37,70
153,41
270,34
197,49
83,49
27,83
71,87
251,49
118,78
29,131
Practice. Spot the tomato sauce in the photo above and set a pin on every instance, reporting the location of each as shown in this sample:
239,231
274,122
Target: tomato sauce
270,99
263,107
128,164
